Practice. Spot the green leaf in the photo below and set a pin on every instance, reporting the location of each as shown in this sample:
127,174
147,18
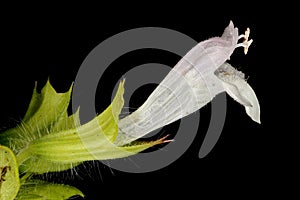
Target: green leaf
9,174
41,190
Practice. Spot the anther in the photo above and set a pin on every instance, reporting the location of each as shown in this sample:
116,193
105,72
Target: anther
246,43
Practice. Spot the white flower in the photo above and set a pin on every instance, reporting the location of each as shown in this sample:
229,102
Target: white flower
195,80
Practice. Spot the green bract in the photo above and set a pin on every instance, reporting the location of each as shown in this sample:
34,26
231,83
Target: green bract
49,140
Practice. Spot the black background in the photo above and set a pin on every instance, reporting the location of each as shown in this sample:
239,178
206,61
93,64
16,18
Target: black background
41,43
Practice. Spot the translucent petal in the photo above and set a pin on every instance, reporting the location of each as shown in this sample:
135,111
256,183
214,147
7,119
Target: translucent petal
190,85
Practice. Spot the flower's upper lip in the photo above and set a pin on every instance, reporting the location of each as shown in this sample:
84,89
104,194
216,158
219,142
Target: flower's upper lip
231,34
216,50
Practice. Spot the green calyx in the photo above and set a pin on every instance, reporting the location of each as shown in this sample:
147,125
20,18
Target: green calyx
49,140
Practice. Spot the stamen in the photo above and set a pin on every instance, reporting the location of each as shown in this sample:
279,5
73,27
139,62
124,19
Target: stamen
247,33
246,43
163,139
167,141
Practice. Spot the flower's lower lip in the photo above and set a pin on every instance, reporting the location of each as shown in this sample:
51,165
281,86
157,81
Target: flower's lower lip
236,86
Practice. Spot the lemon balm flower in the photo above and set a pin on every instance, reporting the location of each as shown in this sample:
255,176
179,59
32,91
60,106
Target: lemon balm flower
195,80
50,140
